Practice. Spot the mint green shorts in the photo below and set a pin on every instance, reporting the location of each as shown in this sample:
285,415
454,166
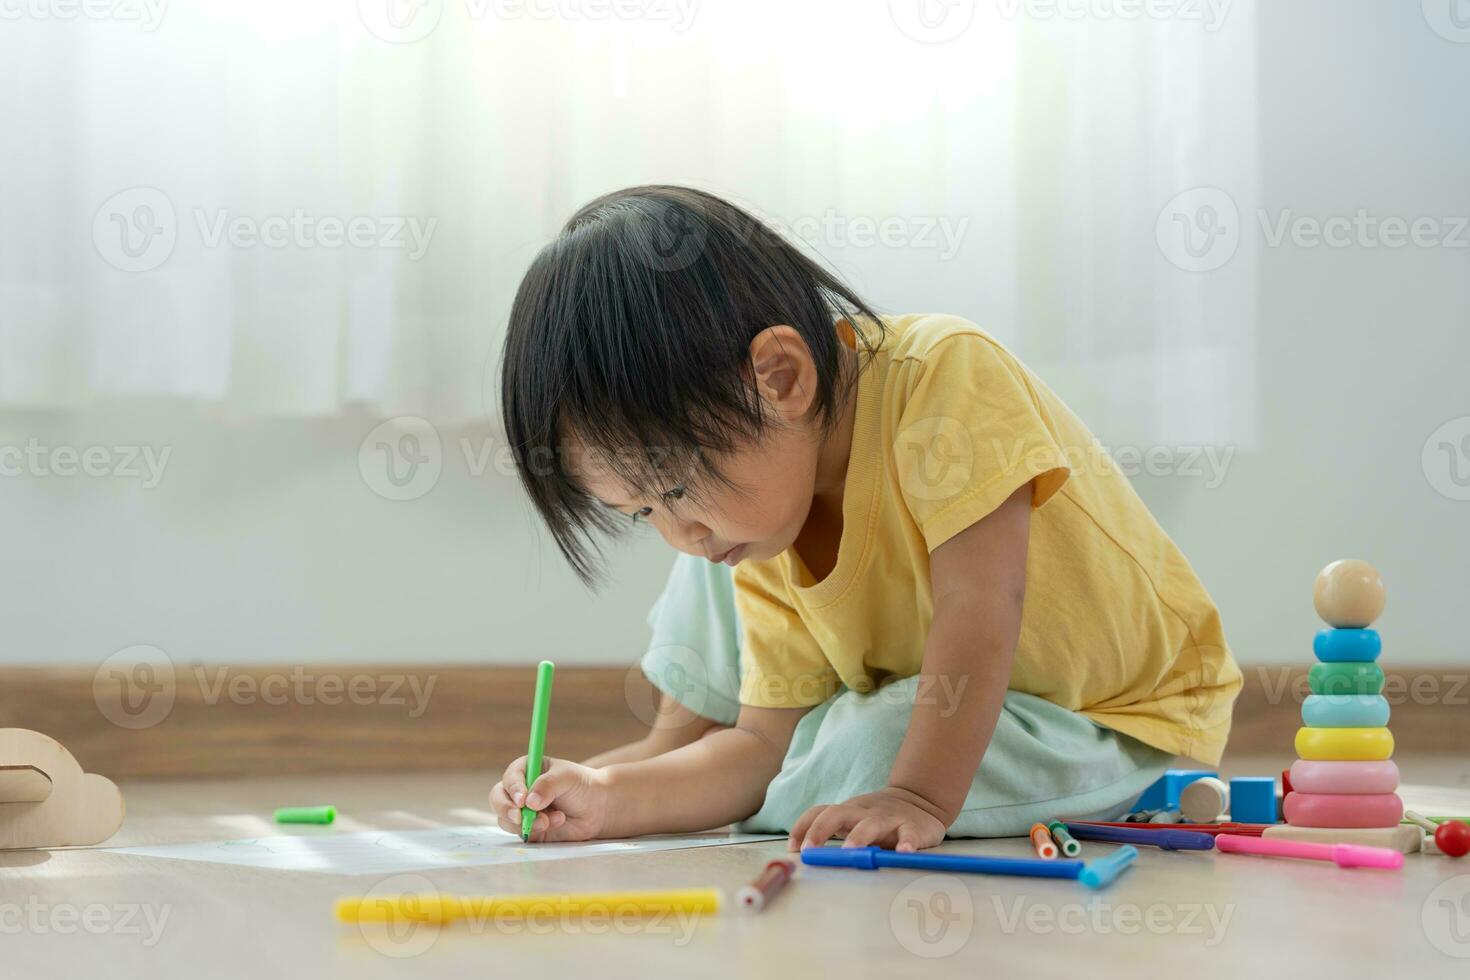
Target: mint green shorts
1043,761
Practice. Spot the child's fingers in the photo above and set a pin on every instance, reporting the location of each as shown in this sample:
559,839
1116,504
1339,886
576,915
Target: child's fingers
499,799
514,780
908,838
830,823
871,830
555,779
803,822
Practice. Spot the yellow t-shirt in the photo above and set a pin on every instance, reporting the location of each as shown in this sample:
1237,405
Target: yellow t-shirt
948,425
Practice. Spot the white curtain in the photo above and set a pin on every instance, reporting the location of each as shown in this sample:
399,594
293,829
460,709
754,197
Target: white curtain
181,184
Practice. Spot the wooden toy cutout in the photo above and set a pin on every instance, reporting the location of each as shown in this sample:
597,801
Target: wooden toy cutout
45,798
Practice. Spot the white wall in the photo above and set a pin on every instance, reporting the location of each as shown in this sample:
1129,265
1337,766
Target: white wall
264,543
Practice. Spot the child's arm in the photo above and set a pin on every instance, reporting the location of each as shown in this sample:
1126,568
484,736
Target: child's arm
675,727
714,781
979,582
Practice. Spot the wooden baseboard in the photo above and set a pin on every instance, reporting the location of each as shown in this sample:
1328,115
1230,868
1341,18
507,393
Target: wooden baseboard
218,721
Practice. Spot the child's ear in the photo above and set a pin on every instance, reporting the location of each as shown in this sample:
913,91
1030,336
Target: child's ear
783,370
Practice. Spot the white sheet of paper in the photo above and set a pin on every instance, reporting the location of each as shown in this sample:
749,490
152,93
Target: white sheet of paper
389,851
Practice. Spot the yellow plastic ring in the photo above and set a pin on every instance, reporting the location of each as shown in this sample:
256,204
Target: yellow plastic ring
1342,744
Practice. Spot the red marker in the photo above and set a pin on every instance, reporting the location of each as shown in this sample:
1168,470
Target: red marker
760,892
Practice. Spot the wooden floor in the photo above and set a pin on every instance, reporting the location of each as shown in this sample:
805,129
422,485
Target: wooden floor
92,913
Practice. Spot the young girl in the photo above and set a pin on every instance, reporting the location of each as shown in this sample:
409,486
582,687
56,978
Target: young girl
906,508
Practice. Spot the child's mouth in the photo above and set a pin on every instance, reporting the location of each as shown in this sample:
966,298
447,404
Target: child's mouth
730,556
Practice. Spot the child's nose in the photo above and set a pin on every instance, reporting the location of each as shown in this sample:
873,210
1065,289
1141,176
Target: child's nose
687,536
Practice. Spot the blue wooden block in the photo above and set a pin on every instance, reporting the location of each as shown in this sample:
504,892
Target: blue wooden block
1253,799
1347,646
1164,793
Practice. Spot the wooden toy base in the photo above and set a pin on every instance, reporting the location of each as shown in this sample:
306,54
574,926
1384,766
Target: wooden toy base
45,798
1403,838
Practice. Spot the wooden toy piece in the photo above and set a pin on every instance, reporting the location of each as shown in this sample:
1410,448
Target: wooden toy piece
1450,836
1403,838
1344,744
1164,793
1345,711
1308,776
1342,646
45,798
1349,594
1253,799
1345,678
1203,800
1344,809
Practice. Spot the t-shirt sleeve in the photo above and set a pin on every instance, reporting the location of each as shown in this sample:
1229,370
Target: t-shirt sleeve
969,433
781,663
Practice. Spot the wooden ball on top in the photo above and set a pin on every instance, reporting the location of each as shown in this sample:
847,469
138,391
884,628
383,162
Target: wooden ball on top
1349,594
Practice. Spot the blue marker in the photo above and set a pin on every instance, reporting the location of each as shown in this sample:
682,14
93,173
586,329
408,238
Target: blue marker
1169,840
870,858
1100,871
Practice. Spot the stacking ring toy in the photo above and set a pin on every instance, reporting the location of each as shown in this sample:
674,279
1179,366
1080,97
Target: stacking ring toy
1347,646
1345,678
1336,744
1341,810
1345,711
1344,777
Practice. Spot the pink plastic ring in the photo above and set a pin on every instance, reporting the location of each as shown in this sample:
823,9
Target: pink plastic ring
1343,810
1308,776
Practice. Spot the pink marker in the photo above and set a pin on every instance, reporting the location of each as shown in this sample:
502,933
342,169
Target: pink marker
1346,855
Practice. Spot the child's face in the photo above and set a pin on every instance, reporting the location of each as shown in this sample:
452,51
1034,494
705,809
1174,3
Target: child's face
756,511
759,507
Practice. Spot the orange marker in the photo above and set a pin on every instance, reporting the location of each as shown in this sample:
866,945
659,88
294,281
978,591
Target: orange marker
759,893
1046,848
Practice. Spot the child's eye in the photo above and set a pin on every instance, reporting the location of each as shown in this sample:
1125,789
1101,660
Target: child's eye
677,493
640,514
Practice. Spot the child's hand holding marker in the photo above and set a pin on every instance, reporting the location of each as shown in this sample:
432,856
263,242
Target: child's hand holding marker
570,801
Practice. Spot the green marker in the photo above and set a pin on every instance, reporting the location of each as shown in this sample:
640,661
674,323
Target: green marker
1065,841
306,814
539,710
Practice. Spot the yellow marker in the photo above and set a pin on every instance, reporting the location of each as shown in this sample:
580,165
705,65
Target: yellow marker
450,908
1338,744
